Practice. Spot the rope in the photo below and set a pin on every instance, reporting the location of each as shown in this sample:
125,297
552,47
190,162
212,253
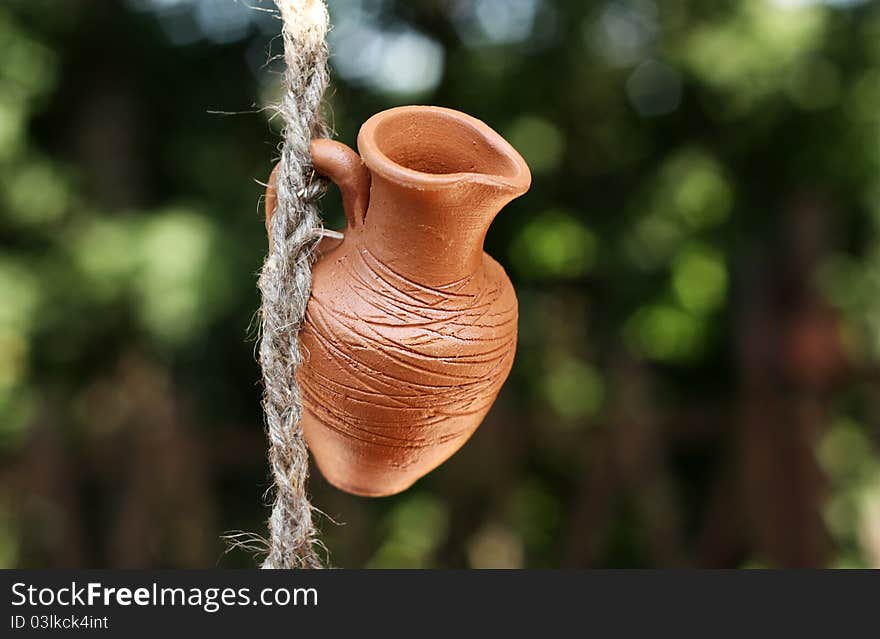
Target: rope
286,280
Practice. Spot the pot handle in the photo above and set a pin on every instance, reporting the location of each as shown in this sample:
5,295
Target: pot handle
339,163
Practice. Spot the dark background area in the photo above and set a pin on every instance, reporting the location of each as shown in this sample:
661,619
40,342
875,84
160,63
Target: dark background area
697,265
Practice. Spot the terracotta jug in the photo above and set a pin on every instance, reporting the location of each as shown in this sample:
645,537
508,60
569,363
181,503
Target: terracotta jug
411,328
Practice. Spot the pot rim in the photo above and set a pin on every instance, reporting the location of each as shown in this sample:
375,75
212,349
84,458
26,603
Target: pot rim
518,180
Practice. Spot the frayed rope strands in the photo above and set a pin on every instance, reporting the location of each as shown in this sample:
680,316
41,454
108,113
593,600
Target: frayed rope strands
286,281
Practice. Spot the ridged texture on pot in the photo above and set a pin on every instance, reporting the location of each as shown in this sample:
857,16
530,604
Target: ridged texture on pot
399,374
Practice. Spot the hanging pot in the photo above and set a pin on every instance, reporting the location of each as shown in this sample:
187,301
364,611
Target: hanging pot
410,331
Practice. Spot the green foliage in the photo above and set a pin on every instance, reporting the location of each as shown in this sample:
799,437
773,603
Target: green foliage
555,244
852,512
573,388
416,527
539,141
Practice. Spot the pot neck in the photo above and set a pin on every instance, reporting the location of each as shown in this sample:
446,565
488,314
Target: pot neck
431,238
438,179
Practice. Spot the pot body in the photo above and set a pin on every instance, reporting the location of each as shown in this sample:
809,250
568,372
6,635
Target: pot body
398,375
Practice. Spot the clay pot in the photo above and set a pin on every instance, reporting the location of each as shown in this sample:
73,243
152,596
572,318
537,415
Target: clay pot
411,328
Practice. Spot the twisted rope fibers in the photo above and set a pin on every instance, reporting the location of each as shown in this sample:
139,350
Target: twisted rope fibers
285,283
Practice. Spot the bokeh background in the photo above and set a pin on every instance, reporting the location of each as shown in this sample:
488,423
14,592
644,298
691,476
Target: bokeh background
697,263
